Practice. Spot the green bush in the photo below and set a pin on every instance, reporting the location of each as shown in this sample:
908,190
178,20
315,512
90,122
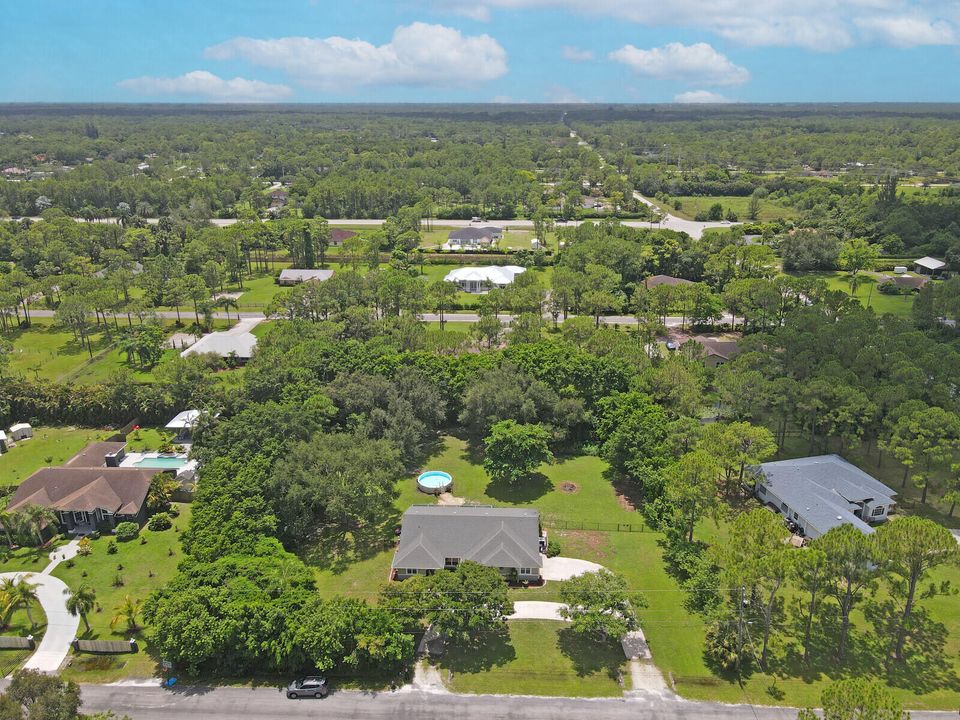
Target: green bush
553,548
160,521
111,547
127,531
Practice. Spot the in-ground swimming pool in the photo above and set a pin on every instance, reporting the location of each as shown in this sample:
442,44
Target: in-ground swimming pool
434,482
170,463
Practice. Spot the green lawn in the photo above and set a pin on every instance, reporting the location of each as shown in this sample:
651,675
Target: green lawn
49,446
142,567
691,205
45,351
149,439
28,559
17,624
536,657
868,294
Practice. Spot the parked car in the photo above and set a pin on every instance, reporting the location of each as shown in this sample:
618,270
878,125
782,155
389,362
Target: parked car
312,686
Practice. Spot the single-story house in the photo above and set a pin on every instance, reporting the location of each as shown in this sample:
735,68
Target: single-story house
21,431
818,493
87,498
654,280
338,235
717,352
440,537
295,276
929,266
184,423
224,344
482,279
474,237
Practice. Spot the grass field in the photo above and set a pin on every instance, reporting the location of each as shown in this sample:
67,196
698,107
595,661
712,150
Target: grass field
536,657
49,446
867,293
45,351
691,205
18,624
142,568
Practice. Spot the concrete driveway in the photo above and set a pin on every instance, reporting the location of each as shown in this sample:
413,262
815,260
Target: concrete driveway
536,610
61,625
564,568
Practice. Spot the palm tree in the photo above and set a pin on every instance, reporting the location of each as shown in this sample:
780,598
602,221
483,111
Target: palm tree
9,520
8,598
227,302
40,516
25,593
128,610
81,602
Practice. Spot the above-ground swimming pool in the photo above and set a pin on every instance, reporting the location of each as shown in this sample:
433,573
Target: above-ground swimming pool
434,482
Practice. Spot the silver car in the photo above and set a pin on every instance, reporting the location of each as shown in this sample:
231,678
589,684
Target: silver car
312,686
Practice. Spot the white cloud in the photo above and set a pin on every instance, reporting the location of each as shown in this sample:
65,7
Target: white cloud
697,64
417,54
576,54
822,25
701,97
904,32
206,85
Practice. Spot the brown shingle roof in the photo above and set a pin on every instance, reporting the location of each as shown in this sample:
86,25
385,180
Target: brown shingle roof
93,455
654,280
119,490
338,235
725,349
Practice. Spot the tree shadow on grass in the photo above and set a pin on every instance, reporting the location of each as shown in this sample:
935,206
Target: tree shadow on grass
336,548
533,487
491,650
591,656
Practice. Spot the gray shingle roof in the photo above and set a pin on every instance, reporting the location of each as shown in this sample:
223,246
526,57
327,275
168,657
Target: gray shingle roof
304,275
475,233
224,344
496,537
825,489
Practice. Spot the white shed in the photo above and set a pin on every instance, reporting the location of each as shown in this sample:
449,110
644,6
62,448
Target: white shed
21,431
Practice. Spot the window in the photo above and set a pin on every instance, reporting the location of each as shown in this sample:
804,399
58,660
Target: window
762,490
877,511
783,507
451,562
527,571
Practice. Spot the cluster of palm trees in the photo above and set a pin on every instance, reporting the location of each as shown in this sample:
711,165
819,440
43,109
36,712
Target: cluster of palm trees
83,601
16,593
27,523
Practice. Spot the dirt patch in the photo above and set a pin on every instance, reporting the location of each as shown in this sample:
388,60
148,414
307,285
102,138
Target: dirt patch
569,487
624,493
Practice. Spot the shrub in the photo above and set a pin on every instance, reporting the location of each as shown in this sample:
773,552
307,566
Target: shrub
553,548
111,547
84,547
160,521
126,531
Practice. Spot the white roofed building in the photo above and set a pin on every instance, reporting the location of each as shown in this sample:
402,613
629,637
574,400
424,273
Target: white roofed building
929,265
224,344
295,276
482,279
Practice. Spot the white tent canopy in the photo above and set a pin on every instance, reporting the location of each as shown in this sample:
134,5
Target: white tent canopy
184,420
930,263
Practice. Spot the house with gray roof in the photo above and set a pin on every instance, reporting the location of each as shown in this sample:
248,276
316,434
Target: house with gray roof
224,344
295,276
440,537
818,493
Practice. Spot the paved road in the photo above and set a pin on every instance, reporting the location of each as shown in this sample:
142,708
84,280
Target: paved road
61,625
671,222
693,228
153,703
426,317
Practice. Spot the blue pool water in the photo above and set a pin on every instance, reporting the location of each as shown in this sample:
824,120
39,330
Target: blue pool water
435,479
161,462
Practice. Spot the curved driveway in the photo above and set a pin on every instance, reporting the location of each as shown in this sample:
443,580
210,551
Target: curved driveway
61,625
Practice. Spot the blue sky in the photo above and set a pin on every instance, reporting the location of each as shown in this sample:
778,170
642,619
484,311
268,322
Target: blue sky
489,50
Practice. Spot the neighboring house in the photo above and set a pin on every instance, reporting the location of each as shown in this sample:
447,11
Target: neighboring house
338,235
473,237
224,344
654,280
295,276
716,352
816,494
87,498
482,279
929,266
279,197
135,269
183,423
440,537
